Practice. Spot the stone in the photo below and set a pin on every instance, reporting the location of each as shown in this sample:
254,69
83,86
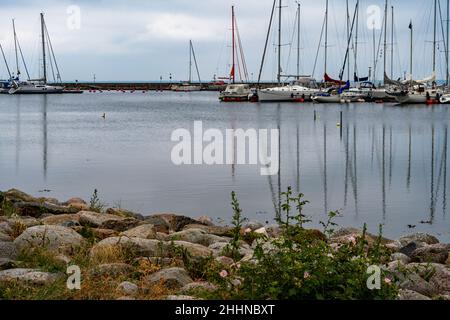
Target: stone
198,286
176,222
15,195
253,225
409,248
145,231
7,264
37,209
104,233
172,278
215,230
394,246
411,295
28,276
416,283
419,237
112,270
106,221
437,253
207,221
197,236
226,261
400,257
54,238
342,234
127,288
61,220
194,250
124,213
218,249
78,204
5,228
8,250
26,221
262,231
158,223
138,246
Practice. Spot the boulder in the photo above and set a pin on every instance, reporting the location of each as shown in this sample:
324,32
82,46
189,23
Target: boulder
5,228
176,222
8,250
145,231
343,235
194,250
207,221
6,264
106,221
226,261
411,295
436,253
218,249
412,246
104,233
26,221
127,288
416,283
215,230
61,220
77,203
138,246
37,209
418,237
197,236
54,238
172,278
125,213
400,257
253,225
15,195
112,270
28,276
158,223
4,237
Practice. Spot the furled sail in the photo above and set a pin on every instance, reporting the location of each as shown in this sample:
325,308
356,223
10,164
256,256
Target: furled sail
389,81
429,79
329,79
357,79
344,88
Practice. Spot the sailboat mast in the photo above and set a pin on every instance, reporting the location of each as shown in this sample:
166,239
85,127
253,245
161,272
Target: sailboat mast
15,48
190,61
44,59
348,34
326,36
392,44
434,36
385,36
279,43
233,45
6,62
356,40
448,39
411,52
298,40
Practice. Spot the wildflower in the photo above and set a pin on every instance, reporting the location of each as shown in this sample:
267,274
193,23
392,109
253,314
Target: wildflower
306,275
387,281
223,273
248,230
352,240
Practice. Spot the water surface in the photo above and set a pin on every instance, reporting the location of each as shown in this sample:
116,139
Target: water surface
385,165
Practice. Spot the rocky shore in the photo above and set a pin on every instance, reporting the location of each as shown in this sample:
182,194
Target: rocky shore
145,257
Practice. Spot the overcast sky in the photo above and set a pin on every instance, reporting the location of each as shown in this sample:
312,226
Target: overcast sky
140,40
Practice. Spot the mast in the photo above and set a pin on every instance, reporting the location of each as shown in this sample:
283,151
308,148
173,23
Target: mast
348,34
15,48
356,40
385,36
448,39
411,51
44,59
326,36
190,61
233,45
434,36
6,62
392,44
298,40
279,43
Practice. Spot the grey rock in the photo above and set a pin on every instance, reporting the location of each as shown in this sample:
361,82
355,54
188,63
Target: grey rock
401,257
37,209
418,237
146,231
112,269
140,247
4,237
54,238
411,295
8,250
172,278
415,283
30,276
106,221
218,249
125,213
7,264
197,236
194,250
198,286
127,288
175,222
253,225
436,253
65,220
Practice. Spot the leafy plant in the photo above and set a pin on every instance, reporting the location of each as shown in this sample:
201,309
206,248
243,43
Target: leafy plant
95,204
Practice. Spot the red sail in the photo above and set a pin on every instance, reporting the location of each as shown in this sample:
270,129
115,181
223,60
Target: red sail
329,79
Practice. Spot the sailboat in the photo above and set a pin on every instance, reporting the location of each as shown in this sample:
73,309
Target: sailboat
236,92
418,91
302,89
38,86
189,86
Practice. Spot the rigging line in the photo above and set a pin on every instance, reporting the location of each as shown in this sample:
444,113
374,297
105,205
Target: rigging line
267,42
341,73
52,52
51,64
23,60
292,41
241,51
6,62
196,65
318,47
443,33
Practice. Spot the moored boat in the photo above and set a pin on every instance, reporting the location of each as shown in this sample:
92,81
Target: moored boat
236,93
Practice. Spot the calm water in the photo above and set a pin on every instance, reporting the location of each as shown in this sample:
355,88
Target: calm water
388,165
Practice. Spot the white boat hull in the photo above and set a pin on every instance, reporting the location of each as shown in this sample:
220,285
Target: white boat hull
284,96
327,99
